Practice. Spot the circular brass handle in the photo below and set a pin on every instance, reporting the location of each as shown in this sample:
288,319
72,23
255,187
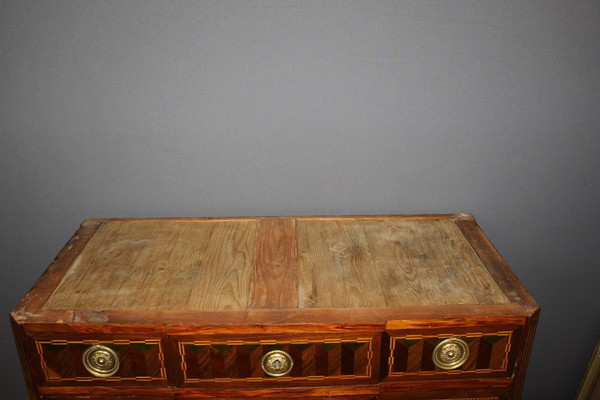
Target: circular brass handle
450,353
101,361
277,363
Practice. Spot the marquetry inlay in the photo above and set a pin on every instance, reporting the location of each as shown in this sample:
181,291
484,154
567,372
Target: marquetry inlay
412,354
240,360
367,306
140,360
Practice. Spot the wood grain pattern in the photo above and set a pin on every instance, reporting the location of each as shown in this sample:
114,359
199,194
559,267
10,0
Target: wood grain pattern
142,361
499,270
274,279
207,362
410,355
315,393
270,263
35,299
25,351
191,305
327,318
523,356
389,262
135,266
223,281
335,266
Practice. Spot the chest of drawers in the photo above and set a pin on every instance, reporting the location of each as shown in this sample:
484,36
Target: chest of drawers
347,307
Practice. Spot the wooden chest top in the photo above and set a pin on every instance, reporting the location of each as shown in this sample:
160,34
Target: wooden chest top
276,263
258,263
359,307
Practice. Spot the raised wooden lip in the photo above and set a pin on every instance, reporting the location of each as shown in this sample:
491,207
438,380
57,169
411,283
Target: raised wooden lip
370,318
30,309
94,221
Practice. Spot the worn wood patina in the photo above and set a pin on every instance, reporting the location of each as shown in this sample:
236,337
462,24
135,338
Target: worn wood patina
358,307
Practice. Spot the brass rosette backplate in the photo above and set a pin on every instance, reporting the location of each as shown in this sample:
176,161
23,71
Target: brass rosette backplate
277,363
101,361
450,353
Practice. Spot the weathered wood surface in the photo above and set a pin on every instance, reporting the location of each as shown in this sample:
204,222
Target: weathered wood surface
276,263
390,262
161,265
274,283
309,283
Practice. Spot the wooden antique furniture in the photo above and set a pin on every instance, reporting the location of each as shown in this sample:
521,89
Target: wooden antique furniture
589,387
352,307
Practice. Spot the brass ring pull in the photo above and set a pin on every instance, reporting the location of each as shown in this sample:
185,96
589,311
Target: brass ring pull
101,361
277,363
450,353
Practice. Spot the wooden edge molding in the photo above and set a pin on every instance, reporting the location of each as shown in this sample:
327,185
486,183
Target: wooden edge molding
526,345
33,301
495,264
590,384
454,322
25,358
456,216
287,392
274,317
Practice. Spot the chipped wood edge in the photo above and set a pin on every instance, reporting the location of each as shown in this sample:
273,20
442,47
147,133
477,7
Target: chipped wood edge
31,304
506,279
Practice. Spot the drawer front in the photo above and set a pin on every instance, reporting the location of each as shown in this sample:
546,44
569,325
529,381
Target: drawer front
66,362
452,354
312,361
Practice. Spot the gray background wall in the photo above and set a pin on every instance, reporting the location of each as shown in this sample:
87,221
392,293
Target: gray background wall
206,108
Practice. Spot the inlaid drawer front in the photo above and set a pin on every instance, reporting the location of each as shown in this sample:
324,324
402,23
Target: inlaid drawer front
70,361
447,354
246,361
